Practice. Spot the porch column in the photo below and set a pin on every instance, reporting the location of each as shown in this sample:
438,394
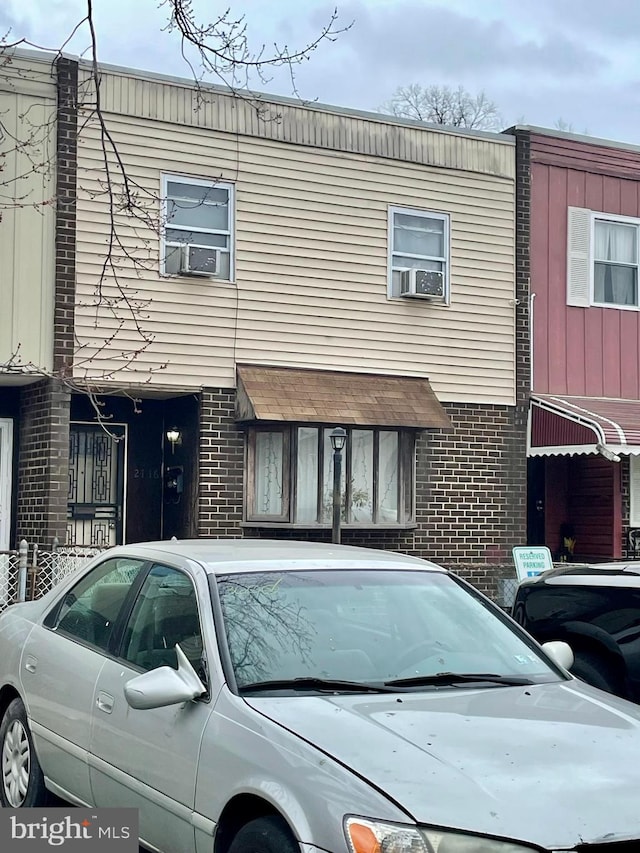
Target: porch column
43,463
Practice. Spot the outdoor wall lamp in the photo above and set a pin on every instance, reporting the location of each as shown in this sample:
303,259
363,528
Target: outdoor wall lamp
338,438
174,436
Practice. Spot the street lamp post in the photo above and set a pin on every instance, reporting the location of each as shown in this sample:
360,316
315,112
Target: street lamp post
338,438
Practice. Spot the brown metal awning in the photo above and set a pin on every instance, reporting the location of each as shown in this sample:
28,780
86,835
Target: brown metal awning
576,425
334,397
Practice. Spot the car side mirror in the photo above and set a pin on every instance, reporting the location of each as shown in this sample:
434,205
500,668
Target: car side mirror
560,653
164,686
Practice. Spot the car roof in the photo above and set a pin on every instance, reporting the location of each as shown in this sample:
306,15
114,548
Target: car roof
589,572
224,556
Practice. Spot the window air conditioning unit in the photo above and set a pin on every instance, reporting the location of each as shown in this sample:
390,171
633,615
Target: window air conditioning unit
426,284
199,260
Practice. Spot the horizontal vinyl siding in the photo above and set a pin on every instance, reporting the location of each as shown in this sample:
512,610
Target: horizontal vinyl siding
27,157
311,266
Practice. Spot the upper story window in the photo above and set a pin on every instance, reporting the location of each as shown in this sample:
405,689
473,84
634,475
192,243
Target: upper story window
198,227
602,253
290,476
418,253
615,276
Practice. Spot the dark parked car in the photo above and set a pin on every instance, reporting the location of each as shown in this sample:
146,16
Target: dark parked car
594,608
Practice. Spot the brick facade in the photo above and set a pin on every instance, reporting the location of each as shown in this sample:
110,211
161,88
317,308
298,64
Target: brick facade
470,496
221,465
43,462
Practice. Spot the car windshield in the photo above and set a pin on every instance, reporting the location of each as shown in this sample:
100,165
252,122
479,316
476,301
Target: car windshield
371,627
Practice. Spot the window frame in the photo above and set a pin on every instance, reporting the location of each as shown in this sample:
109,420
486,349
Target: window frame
250,468
423,213
121,649
54,615
211,183
597,216
407,444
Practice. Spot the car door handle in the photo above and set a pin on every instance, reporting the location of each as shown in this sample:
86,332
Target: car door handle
105,702
30,663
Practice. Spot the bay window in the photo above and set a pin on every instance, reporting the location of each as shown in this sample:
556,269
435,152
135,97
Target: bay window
290,476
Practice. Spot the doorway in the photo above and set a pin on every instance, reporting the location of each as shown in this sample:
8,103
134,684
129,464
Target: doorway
96,508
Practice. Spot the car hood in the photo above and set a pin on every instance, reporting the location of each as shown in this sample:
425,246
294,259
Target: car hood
551,764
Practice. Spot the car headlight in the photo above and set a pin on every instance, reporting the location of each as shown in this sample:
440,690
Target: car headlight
372,836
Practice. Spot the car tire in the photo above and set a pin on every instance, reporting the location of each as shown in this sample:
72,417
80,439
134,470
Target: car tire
592,668
22,781
264,835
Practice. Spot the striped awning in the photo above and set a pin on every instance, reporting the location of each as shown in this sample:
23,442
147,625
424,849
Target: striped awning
573,425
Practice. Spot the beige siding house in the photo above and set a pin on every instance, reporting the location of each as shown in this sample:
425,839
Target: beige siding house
27,280
313,191
27,193
250,273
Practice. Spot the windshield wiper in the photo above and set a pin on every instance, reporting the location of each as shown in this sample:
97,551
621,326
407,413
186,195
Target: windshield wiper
313,683
446,678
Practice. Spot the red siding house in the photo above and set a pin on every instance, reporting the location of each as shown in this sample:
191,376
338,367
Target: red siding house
578,226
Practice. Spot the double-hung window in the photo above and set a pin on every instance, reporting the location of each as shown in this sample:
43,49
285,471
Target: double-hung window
615,256
602,259
290,476
197,227
418,240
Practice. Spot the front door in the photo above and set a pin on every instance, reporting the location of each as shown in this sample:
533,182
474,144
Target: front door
96,485
6,442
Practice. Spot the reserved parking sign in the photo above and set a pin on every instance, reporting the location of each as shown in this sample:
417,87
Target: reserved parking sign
531,560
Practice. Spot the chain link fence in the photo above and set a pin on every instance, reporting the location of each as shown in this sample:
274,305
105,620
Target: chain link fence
29,572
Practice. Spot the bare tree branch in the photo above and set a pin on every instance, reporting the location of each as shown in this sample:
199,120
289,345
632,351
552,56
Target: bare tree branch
219,49
444,105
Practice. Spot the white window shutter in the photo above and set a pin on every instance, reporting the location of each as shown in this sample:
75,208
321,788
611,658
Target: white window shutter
579,257
634,490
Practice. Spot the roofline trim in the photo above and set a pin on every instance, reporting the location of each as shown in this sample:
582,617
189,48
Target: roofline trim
499,137
573,137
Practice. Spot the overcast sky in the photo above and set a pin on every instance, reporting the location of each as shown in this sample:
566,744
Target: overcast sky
540,60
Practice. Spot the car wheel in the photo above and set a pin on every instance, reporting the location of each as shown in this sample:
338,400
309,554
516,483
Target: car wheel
593,669
22,780
265,835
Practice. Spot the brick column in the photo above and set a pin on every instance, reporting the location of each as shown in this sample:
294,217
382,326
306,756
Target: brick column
523,265
43,463
65,245
221,465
